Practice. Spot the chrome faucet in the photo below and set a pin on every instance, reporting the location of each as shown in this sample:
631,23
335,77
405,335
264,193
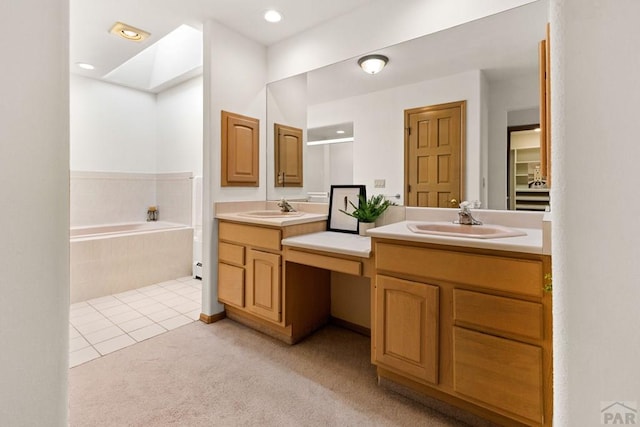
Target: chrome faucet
464,215
285,206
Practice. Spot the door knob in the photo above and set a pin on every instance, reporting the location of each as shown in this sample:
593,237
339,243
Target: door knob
453,203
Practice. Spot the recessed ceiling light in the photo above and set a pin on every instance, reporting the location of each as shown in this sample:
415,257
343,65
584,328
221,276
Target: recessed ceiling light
272,16
340,131
128,32
85,66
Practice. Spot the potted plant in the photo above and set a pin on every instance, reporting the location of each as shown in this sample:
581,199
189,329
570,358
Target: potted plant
368,211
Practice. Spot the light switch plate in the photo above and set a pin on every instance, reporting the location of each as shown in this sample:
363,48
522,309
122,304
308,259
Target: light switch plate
379,183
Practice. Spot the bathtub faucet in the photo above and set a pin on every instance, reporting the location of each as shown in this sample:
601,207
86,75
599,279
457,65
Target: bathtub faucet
152,213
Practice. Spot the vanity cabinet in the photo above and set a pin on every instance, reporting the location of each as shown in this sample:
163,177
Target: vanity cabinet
251,281
468,326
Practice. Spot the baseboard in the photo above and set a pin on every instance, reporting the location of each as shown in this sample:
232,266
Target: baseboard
362,330
206,318
264,326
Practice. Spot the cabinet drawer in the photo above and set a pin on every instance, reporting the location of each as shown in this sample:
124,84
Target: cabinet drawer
498,314
502,373
230,253
231,284
326,262
260,237
520,276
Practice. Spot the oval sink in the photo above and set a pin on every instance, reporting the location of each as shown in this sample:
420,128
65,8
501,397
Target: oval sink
271,214
485,231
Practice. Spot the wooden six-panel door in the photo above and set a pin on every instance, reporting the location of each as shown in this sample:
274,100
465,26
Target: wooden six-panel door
434,155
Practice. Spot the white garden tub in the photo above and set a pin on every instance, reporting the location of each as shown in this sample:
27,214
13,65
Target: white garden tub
113,258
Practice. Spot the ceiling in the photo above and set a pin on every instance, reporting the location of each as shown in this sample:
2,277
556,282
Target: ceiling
503,46
90,21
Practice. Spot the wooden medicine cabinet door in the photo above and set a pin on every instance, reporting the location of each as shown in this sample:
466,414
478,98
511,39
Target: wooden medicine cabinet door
240,150
288,156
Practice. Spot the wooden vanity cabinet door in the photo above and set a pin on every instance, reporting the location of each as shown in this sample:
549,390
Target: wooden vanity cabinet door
263,285
406,329
231,284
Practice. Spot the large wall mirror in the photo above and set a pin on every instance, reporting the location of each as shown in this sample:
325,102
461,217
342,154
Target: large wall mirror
491,63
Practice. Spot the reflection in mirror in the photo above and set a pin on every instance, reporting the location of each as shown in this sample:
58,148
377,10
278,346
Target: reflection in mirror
331,134
330,150
288,155
286,107
527,187
491,63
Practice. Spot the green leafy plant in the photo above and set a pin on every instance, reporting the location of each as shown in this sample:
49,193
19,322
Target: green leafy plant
369,210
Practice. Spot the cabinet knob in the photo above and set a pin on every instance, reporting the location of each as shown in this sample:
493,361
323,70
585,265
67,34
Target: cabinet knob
453,203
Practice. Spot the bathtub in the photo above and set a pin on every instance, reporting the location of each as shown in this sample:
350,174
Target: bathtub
113,258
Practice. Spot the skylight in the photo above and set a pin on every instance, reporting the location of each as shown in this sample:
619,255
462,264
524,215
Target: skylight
171,60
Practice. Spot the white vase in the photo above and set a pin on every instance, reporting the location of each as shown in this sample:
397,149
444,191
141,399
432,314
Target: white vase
364,226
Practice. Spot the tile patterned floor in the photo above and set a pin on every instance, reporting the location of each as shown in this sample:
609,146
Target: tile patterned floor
103,325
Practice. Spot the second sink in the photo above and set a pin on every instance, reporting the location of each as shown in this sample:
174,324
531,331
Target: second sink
486,231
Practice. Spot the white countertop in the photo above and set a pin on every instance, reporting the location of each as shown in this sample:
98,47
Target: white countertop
276,222
332,241
530,243
537,227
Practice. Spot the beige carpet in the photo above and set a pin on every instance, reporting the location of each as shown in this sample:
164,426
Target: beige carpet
225,374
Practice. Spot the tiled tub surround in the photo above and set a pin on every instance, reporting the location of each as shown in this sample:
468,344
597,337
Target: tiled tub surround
103,325
119,197
107,260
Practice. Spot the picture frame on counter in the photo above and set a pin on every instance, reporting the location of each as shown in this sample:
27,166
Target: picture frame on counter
343,198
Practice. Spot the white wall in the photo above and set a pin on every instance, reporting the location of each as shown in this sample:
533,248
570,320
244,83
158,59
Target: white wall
179,124
378,147
504,96
113,128
596,232
117,129
234,80
34,219
376,25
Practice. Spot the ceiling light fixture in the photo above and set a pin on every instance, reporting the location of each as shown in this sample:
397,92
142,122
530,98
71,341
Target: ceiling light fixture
128,32
85,66
272,16
373,64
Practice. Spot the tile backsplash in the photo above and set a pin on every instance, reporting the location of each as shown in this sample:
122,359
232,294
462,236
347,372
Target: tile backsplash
120,197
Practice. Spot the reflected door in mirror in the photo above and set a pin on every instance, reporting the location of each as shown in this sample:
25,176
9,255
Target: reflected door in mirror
288,156
434,146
